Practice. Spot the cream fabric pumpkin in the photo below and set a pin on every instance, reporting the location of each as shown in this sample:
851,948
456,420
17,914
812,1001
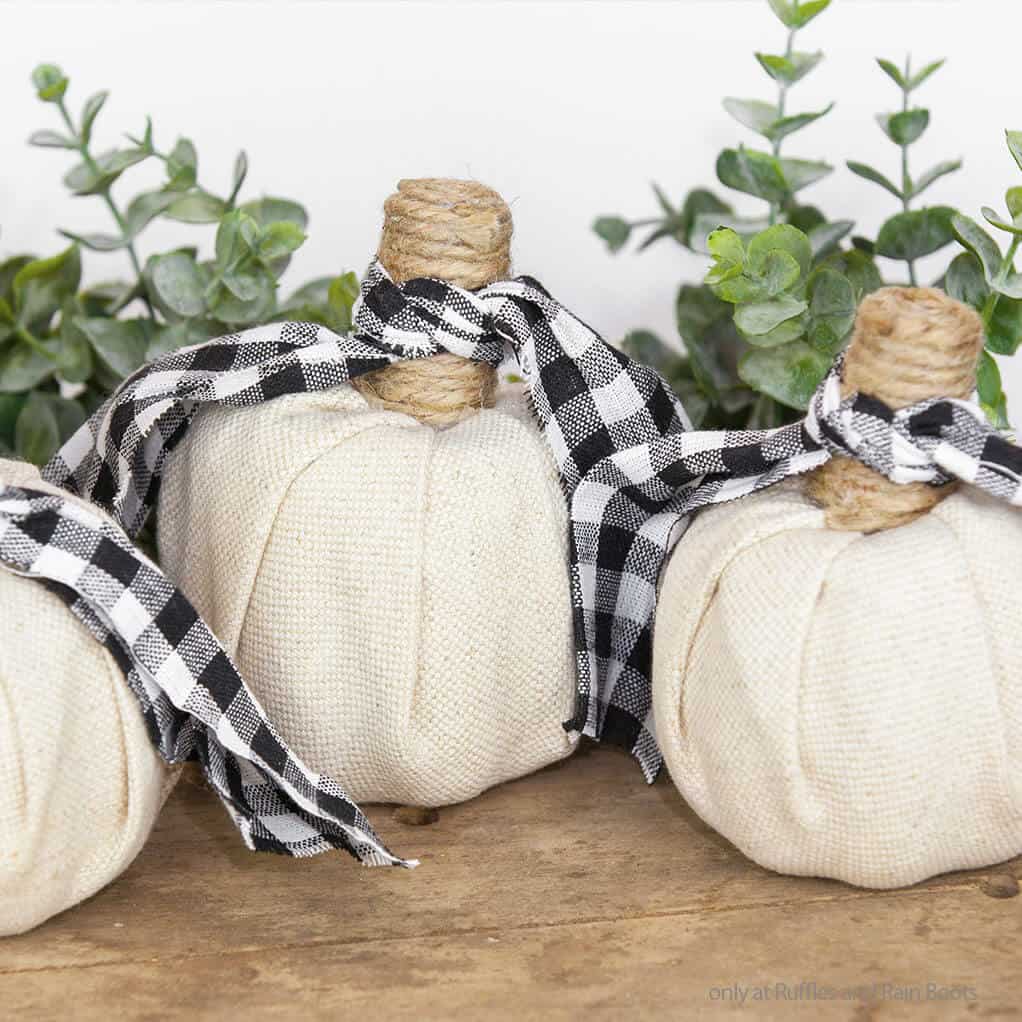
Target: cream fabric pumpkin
397,596
847,705
80,781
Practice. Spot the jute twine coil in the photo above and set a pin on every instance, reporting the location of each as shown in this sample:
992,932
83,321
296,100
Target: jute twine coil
458,231
908,344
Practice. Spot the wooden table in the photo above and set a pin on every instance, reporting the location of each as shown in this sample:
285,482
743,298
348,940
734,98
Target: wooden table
579,892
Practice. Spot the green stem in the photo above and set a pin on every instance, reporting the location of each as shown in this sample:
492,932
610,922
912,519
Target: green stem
906,180
111,205
782,96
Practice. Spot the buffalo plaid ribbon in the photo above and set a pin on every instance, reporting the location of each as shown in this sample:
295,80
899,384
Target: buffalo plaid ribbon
194,702
631,467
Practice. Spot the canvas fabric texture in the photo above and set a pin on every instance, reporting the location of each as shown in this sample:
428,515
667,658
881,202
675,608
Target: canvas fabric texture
70,821
631,467
847,705
396,596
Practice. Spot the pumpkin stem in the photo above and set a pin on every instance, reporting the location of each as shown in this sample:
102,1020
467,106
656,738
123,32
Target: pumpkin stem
458,231
909,344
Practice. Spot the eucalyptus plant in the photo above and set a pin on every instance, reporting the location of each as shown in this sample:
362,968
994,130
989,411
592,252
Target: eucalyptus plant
779,300
723,378
64,348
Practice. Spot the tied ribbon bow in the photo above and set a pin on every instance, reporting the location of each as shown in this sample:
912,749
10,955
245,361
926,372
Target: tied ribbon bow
632,468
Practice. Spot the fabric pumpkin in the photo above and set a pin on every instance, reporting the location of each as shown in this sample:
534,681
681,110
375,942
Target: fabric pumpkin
396,595
844,704
80,781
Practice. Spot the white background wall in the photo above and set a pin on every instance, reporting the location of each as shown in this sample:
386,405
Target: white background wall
568,108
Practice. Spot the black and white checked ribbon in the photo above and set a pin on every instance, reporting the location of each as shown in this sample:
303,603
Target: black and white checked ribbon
194,702
631,466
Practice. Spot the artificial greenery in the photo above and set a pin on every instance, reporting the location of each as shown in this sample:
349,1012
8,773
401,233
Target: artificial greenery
779,300
63,349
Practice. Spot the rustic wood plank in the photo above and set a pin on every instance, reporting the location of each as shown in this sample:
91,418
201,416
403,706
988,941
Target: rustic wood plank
660,967
579,864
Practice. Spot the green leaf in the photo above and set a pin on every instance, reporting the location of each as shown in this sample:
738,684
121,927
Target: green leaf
279,239
120,344
182,166
706,325
75,359
1013,200
49,82
107,298
37,434
236,311
785,11
178,283
313,293
238,177
613,230
825,237
990,389
784,333
725,246
785,238
789,69
785,126
10,409
859,269
1014,139
648,348
700,206
341,298
144,208
915,233
920,76
268,210
196,208
753,113
92,107
41,286
51,140
236,238
23,368
96,242
8,271
893,71
934,174
762,317
995,219
964,280
805,218
755,173
809,9
244,285
1004,331
977,241
90,178
832,306
871,174
904,127
801,173
789,373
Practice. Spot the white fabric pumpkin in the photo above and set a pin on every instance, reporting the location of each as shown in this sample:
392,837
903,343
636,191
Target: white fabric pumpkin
80,781
847,705
397,596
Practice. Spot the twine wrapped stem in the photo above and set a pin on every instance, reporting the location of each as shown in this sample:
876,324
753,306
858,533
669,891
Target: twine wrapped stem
909,344
458,231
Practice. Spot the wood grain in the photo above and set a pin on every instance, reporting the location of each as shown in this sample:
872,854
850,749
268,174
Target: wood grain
577,890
